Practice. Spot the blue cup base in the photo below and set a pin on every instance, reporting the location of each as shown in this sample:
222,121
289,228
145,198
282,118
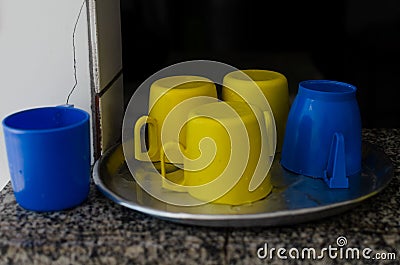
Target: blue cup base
53,204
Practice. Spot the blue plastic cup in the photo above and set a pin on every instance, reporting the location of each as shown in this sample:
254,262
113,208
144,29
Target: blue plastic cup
48,152
323,132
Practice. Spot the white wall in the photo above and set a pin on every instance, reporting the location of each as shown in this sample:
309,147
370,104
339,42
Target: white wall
36,58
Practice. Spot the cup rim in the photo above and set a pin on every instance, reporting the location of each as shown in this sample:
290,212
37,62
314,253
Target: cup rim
14,129
327,89
254,75
246,114
180,81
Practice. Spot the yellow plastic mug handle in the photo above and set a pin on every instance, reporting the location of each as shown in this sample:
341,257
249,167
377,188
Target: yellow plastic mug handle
271,133
163,150
141,154
178,182
270,136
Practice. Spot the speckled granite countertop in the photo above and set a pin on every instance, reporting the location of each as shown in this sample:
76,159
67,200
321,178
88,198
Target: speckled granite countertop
103,232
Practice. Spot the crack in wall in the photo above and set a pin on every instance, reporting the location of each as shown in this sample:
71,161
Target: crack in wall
74,52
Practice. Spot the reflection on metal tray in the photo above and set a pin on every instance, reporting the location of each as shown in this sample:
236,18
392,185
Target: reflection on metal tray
294,198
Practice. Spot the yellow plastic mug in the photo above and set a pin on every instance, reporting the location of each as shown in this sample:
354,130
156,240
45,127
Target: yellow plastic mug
165,95
240,86
228,152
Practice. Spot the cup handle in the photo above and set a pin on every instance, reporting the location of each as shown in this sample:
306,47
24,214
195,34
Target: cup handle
257,179
167,146
139,141
335,174
177,183
270,133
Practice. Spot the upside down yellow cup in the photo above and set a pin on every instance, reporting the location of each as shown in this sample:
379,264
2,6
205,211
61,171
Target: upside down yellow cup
228,152
241,85
165,94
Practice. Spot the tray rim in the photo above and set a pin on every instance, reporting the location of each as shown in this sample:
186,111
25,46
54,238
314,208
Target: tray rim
235,220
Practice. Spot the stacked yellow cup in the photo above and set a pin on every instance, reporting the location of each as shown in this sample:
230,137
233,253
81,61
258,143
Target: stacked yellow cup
225,148
241,86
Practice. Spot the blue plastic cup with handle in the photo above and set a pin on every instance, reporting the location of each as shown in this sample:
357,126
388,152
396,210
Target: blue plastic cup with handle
323,132
48,151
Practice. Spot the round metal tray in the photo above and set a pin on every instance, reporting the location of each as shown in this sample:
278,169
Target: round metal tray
294,198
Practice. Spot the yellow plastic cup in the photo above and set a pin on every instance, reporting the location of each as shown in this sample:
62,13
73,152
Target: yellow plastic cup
240,86
165,95
228,152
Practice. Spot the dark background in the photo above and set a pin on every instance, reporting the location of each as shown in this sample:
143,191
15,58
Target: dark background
355,41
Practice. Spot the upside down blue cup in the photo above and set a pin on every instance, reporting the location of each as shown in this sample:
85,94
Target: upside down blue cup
323,132
48,152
